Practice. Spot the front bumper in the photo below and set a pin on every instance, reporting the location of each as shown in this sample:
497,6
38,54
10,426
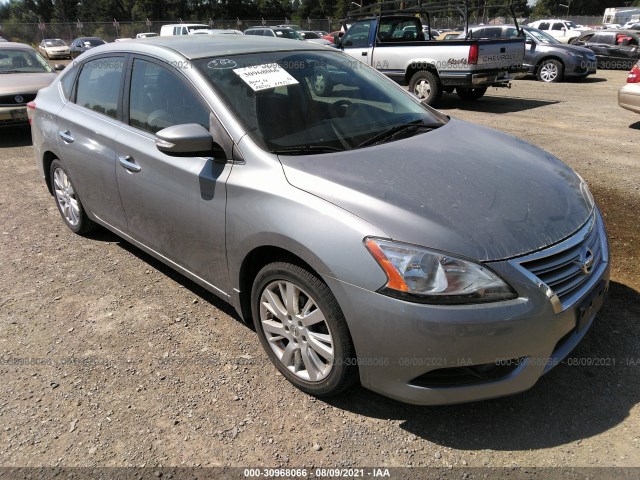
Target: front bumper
581,69
53,55
405,350
13,115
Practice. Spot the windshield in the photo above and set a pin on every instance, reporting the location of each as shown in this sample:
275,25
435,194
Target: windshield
22,61
56,42
314,102
571,24
287,33
540,36
91,42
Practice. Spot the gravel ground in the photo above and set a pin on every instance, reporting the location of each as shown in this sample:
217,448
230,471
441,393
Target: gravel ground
109,358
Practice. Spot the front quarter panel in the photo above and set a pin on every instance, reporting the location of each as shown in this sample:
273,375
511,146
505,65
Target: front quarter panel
263,209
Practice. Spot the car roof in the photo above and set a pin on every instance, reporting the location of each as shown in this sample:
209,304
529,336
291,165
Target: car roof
201,46
15,45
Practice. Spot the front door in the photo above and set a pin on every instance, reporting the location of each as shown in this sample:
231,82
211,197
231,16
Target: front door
174,205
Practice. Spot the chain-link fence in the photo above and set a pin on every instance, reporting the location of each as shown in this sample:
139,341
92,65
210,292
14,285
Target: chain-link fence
33,33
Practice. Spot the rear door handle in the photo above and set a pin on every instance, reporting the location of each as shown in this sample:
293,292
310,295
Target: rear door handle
128,163
364,54
66,136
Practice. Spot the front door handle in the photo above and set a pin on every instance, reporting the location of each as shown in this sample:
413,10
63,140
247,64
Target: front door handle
66,136
128,163
364,54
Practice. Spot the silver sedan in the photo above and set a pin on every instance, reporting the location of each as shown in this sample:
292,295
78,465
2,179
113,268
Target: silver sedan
367,236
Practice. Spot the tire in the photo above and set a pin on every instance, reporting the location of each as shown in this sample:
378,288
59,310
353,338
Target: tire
68,202
426,86
323,367
321,83
471,93
550,71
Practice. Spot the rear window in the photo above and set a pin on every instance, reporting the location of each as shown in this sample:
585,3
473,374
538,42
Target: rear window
99,85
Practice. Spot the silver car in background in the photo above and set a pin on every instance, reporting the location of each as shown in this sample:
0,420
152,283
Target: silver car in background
365,235
23,72
629,94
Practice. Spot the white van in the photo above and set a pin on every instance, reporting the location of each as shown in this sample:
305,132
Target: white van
181,28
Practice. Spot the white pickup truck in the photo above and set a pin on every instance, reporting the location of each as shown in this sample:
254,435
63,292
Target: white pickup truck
564,31
395,45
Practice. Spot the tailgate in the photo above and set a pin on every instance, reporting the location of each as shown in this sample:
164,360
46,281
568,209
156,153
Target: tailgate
501,54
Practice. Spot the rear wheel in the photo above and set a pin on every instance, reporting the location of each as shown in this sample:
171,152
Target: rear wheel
471,93
68,202
550,71
302,329
426,86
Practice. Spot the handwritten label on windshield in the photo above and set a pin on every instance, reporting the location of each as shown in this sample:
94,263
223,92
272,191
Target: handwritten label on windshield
263,77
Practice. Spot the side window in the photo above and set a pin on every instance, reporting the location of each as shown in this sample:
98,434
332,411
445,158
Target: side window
511,33
586,38
603,38
557,26
357,36
159,98
67,81
99,85
176,30
544,26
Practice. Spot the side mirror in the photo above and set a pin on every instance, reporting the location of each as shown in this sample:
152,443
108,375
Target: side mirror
528,41
186,140
337,41
58,67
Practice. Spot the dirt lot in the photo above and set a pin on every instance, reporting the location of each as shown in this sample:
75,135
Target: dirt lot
108,358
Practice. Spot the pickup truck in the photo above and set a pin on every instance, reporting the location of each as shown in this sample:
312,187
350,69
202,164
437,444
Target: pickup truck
395,45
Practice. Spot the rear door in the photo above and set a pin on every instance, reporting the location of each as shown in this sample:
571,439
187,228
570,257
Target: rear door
86,130
174,205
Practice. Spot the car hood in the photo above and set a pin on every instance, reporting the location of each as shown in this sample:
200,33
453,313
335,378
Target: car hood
18,83
461,188
567,48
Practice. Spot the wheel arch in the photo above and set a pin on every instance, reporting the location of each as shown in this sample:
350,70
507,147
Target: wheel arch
254,261
549,57
417,66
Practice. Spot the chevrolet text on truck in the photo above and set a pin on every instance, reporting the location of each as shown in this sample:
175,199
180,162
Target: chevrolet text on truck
393,42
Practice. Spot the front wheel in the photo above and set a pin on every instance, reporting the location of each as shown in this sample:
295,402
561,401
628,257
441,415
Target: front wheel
68,202
471,93
302,329
426,86
550,71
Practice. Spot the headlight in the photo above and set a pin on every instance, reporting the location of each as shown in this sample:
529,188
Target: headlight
420,275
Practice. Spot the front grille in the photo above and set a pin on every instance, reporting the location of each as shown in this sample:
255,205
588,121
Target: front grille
10,100
565,267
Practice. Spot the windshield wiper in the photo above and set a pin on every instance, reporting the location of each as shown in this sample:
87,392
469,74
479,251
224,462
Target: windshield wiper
307,149
391,132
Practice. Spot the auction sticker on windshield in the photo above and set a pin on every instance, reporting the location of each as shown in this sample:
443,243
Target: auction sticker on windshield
263,77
